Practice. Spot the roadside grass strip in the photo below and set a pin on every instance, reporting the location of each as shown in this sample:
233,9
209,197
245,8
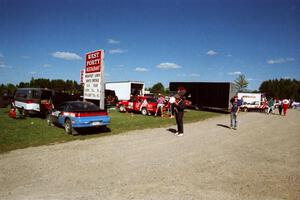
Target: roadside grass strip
34,131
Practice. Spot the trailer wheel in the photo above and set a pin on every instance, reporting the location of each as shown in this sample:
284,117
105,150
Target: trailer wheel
245,109
144,111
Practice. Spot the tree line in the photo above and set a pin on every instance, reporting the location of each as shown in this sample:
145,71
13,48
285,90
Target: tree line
68,86
276,88
281,88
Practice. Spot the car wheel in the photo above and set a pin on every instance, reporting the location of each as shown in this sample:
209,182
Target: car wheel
122,108
245,109
69,129
144,111
49,120
68,126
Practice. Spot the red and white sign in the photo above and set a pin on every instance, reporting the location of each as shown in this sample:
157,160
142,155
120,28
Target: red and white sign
93,61
94,77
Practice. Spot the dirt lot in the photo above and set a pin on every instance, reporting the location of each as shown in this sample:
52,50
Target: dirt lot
258,161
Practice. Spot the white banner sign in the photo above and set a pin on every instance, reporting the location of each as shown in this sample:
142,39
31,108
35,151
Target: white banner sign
92,86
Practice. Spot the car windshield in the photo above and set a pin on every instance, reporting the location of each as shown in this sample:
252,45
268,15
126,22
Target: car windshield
82,106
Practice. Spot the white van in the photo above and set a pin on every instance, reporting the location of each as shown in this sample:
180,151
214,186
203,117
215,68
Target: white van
33,100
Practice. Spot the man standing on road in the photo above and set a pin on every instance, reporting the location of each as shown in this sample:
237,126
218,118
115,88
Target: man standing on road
179,109
235,108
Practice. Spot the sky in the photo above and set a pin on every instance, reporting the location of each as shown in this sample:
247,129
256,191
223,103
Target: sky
151,40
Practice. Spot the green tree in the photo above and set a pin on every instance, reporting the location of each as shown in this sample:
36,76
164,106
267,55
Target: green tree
241,83
58,84
11,88
158,88
283,88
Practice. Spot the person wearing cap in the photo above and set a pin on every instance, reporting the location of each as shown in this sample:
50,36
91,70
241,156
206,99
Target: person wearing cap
235,108
179,110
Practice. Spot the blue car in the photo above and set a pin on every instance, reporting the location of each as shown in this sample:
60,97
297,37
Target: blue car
78,114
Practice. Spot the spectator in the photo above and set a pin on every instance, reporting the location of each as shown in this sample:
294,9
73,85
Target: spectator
271,106
171,102
160,105
285,106
179,110
279,105
235,108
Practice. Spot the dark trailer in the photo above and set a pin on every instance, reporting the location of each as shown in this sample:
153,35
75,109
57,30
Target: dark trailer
207,95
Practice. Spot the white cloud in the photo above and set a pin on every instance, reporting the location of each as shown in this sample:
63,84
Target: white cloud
116,51
2,65
66,55
141,69
25,57
181,75
2,62
280,60
46,65
32,73
290,59
112,41
211,53
167,65
235,73
194,75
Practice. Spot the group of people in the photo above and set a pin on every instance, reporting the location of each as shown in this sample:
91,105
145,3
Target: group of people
282,105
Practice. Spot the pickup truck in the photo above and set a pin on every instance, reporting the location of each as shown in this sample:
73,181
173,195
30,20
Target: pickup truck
141,104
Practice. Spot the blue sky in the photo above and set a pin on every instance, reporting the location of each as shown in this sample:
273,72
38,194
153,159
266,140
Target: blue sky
151,40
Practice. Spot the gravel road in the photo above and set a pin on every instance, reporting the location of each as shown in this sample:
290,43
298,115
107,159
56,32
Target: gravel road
261,160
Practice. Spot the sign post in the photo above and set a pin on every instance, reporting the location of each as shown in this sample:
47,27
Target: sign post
94,77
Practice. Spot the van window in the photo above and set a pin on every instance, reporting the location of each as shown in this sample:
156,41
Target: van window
22,94
35,94
46,95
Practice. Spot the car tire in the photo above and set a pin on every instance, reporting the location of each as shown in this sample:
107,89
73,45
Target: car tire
122,108
69,129
245,109
144,111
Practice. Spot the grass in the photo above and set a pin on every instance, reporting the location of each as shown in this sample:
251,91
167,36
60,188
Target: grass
33,131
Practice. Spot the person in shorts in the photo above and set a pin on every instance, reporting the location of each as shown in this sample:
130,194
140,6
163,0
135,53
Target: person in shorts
160,105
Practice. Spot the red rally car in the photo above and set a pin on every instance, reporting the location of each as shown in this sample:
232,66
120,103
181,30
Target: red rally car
144,105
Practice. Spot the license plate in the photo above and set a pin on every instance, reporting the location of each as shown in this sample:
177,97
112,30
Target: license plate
96,123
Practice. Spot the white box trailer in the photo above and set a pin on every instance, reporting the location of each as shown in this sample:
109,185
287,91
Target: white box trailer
124,89
252,101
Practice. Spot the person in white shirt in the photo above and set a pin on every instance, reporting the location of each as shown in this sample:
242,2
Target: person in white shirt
172,101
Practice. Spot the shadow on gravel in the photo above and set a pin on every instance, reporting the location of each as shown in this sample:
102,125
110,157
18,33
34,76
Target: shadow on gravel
172,130
92,131
224,126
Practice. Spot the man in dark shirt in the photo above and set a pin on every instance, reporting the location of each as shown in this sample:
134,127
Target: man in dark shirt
179,109
235,108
